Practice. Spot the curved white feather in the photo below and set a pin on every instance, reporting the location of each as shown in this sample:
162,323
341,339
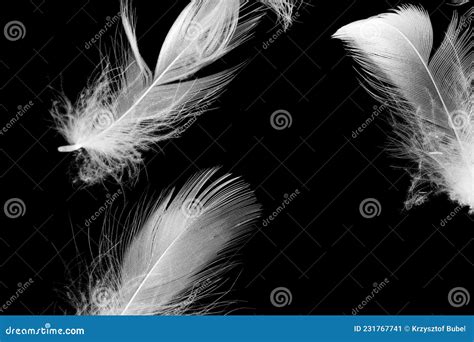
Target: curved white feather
432,94
175,251
129,109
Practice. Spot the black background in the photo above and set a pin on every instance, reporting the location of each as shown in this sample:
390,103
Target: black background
320,248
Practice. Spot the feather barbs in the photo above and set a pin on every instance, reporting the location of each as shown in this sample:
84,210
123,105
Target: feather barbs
174,251
430,92
129,109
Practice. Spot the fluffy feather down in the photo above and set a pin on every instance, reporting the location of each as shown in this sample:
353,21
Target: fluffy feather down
129,109
174,253
431,93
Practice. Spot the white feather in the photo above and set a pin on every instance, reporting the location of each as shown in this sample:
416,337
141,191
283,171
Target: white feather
128,109
284,9
431,93
174,253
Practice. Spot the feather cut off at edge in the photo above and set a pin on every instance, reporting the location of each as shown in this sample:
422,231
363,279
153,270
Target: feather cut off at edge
430,93
130,108
174,253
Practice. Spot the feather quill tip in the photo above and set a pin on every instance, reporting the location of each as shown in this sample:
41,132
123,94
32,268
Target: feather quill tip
69,148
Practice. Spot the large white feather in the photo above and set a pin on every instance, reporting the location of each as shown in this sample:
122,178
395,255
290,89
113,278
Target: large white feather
128,109
431,93
173,253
